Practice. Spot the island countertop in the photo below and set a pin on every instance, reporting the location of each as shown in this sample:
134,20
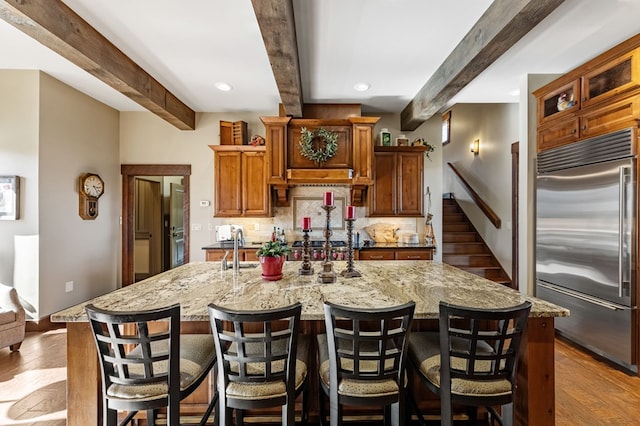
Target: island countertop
383,283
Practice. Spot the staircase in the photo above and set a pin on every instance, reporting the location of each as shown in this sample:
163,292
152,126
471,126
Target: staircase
463,247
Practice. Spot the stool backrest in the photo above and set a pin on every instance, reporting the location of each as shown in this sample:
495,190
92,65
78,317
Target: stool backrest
133,350
481,344
368,344
256,346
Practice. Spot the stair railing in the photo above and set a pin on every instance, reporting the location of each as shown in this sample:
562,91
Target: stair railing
488,211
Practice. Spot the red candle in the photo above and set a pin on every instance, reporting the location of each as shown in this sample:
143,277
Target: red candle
328,198
306,223
351,212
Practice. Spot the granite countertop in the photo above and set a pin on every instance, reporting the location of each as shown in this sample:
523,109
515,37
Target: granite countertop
383,283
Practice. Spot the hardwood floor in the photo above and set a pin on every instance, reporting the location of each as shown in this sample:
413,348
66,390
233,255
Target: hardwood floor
589,391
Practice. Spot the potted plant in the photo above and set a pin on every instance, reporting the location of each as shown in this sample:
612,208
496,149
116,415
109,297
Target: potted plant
272,256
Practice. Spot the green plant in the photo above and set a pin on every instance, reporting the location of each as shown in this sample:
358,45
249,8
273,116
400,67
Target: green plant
273,249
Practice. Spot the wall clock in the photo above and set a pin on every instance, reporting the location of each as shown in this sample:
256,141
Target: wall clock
90,188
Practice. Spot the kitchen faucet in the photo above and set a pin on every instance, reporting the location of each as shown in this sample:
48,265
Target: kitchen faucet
238,235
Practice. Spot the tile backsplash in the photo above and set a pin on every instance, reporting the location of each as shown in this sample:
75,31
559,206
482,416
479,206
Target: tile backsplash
307,201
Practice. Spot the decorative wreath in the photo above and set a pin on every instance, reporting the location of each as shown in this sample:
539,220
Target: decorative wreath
318,152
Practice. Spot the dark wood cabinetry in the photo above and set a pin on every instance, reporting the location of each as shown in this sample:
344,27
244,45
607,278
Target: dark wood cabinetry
596,98
240,182
233,133
215,255
352,164
396,254
398,181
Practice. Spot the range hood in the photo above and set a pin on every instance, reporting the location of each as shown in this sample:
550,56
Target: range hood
319,176
351,165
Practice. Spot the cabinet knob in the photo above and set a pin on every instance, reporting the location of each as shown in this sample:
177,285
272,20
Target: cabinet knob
583,128
573,130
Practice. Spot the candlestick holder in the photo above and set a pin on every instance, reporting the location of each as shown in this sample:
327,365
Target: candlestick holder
327,275
350,272
306,268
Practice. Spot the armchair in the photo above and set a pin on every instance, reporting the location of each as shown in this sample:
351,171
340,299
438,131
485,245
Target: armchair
12,318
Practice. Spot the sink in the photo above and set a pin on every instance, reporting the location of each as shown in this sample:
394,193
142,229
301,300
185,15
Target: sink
247,265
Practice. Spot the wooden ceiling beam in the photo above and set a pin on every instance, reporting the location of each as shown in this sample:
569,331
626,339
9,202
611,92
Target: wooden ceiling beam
278,29
500,27
56,26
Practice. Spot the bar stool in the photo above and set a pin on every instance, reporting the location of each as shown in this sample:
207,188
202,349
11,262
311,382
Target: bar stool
362,359
146,366
472,360
262,361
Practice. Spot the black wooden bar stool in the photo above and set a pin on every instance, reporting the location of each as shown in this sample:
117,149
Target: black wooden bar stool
472,360
146,364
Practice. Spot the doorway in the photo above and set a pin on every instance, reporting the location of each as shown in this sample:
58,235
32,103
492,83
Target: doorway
131,175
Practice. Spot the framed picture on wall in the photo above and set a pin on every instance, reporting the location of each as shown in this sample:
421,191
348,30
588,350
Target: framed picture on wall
446,127
9,197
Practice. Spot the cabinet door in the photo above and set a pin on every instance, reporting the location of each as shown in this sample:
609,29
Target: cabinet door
213,255
611,79
414,254
409,184
255,191
382,201
227,183
377,254
558,133
559,102
618,115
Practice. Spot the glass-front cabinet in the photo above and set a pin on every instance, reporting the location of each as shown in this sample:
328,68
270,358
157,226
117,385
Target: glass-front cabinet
611,78
559,102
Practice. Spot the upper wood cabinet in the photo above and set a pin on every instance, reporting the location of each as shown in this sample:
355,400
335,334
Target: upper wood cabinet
351,165
240,182
596,98
233,133
398,181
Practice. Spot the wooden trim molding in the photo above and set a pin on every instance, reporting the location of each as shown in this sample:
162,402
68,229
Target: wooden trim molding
488,211
56,26
500,27
129,172
278,28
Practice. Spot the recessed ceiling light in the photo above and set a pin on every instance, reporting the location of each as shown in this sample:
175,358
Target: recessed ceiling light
361,87
221,85
514,92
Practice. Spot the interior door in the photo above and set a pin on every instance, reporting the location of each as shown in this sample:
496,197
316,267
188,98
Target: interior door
148,229
176,224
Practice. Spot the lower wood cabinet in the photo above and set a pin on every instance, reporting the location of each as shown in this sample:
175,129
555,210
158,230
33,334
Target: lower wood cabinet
216,255
396,254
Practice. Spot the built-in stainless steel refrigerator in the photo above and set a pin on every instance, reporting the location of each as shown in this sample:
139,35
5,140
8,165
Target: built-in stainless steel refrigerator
586,210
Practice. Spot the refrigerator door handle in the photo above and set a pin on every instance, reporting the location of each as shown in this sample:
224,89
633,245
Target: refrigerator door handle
585,298
623,274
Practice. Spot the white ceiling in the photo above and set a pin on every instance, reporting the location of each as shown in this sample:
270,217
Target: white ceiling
394,45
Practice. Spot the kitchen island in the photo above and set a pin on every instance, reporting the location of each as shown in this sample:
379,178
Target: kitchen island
384,283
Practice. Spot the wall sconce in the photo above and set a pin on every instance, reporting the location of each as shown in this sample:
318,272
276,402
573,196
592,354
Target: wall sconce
475,146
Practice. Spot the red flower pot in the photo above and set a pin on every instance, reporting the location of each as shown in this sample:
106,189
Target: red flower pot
272,267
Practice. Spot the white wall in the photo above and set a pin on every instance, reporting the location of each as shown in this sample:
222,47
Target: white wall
77,134
528,154
55,133
19,156
489,172
147,139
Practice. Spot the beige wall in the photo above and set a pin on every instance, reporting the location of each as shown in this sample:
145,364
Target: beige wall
19,156
71,134
146,139
489,172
